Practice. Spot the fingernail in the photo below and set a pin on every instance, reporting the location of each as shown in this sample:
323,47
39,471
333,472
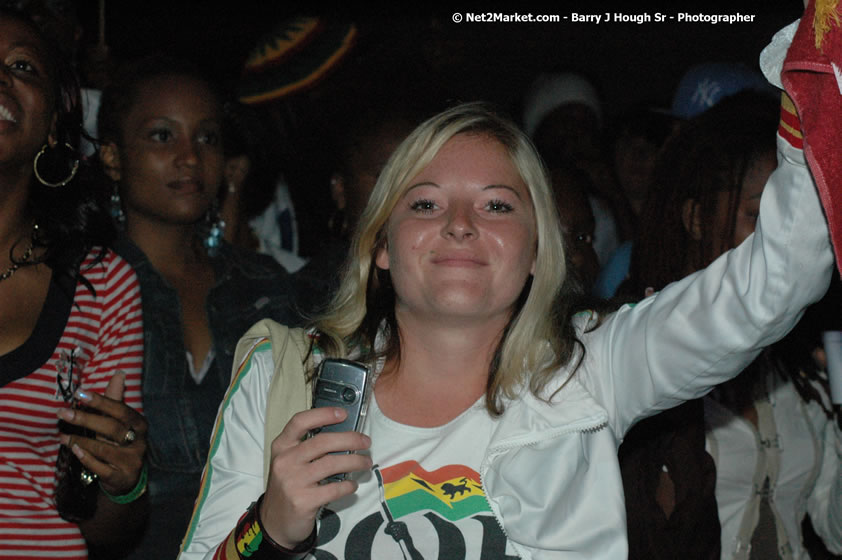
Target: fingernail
78,451
83,395
66,414
340,413
366,440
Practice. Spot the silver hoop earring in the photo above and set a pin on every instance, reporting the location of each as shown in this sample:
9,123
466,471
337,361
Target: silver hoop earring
46,183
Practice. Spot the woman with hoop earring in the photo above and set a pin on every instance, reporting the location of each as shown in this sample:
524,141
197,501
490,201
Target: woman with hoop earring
72,438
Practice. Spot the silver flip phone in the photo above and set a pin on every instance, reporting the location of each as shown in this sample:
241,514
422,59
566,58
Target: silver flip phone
345,384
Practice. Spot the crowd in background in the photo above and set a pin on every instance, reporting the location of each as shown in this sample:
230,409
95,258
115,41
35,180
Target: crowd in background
204,207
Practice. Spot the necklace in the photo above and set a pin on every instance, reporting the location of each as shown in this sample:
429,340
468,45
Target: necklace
24,259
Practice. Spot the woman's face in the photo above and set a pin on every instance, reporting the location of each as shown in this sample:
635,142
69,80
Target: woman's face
26,96
461,241
170,163
578,226
748,205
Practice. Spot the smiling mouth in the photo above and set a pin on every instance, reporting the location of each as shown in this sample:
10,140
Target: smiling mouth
458,261
6,115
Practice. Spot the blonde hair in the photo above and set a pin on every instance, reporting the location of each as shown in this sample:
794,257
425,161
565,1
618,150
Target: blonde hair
533,345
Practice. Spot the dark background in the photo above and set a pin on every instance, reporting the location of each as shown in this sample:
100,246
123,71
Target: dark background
415,48
415,55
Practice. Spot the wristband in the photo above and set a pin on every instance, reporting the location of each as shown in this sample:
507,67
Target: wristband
252,542
133,494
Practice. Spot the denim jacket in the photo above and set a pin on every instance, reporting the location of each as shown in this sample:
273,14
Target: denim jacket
180,412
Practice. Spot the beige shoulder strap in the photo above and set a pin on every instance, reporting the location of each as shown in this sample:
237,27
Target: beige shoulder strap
289,391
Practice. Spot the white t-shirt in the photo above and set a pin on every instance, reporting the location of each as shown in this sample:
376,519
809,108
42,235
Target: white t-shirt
430,504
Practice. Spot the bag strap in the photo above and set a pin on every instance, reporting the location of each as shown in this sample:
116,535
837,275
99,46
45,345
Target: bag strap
289,391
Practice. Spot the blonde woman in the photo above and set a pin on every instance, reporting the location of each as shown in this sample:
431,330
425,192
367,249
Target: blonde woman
497,412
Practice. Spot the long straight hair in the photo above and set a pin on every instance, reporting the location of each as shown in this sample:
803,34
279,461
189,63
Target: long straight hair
538,339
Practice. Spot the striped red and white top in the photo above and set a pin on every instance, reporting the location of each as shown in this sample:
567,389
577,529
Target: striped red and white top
103,335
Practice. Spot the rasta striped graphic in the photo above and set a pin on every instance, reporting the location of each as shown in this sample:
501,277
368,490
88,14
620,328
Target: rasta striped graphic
453,491
294,56
790,127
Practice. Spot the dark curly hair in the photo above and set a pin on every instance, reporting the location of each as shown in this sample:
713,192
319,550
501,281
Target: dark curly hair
71,218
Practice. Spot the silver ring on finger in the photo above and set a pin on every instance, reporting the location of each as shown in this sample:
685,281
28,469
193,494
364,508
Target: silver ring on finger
130,437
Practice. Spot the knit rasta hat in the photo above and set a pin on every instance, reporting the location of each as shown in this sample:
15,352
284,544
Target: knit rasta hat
293,57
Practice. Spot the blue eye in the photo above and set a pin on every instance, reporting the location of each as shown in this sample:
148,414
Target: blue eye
499,206
423,206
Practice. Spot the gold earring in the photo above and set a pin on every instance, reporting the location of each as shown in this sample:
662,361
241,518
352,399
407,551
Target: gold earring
41,180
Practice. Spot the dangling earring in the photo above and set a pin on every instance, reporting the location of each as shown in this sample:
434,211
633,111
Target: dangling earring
215,228
337,221
116,208
73,168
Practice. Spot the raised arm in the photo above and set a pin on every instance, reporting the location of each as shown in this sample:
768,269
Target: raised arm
704,329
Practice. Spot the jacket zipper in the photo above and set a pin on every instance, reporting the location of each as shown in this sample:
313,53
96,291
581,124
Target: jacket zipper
587,429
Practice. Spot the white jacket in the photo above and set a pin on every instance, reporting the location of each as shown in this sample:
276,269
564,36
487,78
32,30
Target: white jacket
799,448
804,448
566,500
551,471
